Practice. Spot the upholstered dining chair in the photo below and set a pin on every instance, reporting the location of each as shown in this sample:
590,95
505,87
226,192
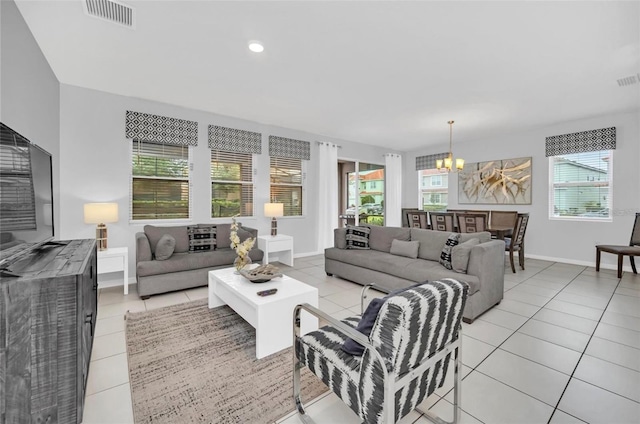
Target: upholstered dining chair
405,358
403,213
417,219
471,222
515,243
442,221
631,251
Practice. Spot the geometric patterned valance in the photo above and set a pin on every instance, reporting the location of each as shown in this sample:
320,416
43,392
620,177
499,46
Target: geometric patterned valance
281,147
233,140
579,142
161,129
429,161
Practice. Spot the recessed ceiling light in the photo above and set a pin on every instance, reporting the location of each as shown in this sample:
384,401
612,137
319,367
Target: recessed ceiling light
256,46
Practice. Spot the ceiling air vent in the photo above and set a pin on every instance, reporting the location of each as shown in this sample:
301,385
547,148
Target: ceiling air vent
110,10
630,80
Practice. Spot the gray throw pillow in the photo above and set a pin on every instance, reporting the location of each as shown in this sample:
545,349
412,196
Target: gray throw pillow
460,255
445,256
357,237
405,248
165,247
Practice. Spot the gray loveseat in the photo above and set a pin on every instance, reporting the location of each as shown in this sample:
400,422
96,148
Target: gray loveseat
183,270
484,270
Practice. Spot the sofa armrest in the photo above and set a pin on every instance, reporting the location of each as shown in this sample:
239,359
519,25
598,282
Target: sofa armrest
143,248
486,261
339,238
252,231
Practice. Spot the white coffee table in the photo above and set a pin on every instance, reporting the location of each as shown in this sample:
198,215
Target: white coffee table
271,316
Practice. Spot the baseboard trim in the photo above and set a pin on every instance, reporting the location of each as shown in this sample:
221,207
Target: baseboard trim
304,255
625,268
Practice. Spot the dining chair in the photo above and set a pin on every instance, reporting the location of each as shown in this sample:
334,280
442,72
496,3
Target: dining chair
405,221
404,359
631,251
442,221
471,222
417,219
498,220
515,243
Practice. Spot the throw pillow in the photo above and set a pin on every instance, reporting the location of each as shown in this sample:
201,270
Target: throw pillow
357,237
445,256
202,238
165,247
460,255
369,317
405,248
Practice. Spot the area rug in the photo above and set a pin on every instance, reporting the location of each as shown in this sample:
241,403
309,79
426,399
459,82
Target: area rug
192,364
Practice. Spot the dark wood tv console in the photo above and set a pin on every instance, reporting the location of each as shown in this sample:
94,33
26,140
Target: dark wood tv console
47,322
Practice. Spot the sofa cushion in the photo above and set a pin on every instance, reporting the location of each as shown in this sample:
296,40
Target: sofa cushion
460,255
179,233
405,248
357,237
431,241
202,237
190,261
416,270
382,237
165,247
445,256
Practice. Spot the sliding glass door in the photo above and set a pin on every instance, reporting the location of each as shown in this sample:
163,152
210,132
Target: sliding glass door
365,193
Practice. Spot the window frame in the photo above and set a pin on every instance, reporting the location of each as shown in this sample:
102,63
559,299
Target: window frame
552,189
303,185
252,183
143,221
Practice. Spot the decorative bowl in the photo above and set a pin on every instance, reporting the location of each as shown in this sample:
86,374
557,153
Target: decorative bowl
261,274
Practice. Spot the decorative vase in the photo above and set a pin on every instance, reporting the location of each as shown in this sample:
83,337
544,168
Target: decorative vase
240,262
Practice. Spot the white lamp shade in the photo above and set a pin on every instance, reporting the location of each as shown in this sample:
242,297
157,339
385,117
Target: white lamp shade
273,210
100,213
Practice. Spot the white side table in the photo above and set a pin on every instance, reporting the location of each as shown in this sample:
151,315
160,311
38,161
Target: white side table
115,259
281,243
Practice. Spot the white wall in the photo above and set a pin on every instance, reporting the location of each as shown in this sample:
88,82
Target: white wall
29,91
95,167
566,241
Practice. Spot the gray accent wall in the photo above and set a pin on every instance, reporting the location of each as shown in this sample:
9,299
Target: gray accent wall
566,241
29,91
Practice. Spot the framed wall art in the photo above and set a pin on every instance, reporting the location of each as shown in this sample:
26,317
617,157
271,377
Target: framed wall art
504,182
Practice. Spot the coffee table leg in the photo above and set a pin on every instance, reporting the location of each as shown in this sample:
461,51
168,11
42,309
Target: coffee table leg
214,300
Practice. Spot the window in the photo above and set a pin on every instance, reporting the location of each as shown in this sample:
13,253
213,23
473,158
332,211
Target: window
580,185
287,181
160,181
434,190
231,184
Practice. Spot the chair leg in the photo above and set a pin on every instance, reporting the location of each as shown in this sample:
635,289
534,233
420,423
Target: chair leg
620,258
521,257
513,267
598,258
633,264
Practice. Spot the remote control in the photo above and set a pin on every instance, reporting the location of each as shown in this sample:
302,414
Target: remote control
267,292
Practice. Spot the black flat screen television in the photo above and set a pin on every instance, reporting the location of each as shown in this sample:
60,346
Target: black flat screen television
26,196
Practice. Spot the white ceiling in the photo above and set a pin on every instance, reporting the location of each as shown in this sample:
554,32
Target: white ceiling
382,73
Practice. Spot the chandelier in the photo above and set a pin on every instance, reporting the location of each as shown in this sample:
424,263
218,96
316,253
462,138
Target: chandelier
446,164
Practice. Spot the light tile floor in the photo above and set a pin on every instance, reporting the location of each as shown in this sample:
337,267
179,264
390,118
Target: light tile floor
562,347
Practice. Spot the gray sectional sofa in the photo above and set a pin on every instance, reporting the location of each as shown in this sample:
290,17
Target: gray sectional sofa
484,269
182,270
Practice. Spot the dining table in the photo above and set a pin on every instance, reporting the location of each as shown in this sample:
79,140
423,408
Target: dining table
500,231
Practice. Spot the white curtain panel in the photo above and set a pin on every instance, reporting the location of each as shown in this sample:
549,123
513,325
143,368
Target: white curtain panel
327,194
393,190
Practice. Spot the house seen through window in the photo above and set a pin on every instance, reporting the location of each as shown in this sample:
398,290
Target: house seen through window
434,189
581,185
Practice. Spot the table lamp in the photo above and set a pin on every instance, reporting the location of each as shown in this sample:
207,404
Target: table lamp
273,211
100,213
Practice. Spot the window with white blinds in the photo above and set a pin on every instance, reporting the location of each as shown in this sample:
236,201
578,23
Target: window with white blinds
287,182
16,185
160,186
581,185
231,184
